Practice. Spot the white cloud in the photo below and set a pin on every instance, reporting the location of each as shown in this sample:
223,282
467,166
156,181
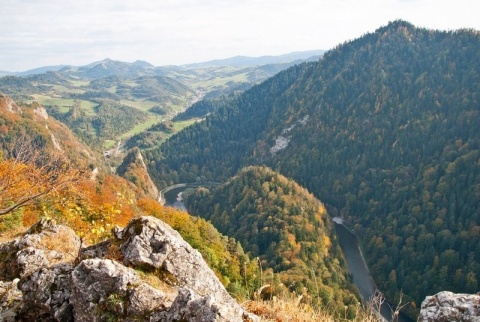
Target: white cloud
35,33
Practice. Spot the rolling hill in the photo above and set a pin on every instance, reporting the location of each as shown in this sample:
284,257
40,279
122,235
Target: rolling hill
133,95
287,229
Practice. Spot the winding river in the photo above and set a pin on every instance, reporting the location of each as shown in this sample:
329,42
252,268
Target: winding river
173,197
356,264
358,267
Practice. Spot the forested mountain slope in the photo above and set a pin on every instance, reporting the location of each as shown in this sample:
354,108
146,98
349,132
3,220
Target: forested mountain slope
287,228
21,123
384,129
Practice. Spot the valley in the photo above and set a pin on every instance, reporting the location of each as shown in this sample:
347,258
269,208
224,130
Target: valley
144,94
173,197
383,130
380,131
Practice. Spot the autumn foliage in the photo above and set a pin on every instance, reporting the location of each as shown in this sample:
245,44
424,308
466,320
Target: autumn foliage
93,205
289,232
30,175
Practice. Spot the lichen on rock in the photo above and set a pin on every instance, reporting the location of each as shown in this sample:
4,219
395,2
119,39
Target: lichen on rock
447,306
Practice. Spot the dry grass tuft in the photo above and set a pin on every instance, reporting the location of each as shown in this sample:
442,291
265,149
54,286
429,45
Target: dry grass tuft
153,280
62,242
290,309
114,252
280,310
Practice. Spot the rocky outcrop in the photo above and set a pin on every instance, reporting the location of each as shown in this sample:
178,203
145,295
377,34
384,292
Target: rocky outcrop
102,289
42,246
41,111
190,306
10,300
447,306
9,105
46,294
154,276
133,168
151,243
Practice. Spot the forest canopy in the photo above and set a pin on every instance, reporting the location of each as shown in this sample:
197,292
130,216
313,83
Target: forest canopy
384,129
284,226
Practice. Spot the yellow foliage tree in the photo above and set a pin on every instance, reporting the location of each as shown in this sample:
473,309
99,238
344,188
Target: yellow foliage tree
29,174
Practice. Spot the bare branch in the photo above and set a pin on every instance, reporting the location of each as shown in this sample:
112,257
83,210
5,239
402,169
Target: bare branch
396,311
21,203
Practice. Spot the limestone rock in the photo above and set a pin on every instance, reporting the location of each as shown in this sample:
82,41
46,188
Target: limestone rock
189,306
8,104
46,292
43,245
11,301
149,242
99,250
60,282
448,306
42,112
102,289
30,259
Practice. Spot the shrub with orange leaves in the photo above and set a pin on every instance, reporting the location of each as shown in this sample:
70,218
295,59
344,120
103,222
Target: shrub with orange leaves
29,175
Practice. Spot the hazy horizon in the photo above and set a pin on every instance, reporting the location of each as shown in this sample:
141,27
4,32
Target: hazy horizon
141,60
65,32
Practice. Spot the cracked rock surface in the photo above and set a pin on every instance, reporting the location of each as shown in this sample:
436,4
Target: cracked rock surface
447,306
46,276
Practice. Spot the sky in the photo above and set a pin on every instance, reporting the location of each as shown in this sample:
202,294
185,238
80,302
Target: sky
35,33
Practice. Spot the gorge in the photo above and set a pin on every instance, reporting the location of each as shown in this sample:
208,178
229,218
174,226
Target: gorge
350,248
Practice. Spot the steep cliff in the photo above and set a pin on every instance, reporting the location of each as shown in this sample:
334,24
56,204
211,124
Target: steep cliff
133,168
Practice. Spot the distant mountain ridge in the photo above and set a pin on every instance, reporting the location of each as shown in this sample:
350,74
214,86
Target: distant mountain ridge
160,92
117,67
244,61
35,71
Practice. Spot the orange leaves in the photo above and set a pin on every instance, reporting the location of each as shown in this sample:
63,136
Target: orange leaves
151,208
12,183
23,182
48,186
99,206
291,239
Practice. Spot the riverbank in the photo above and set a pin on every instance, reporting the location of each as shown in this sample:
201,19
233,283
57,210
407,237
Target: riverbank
357,266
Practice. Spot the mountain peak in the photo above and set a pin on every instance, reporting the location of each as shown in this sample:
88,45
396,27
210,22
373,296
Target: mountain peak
396,26
142,63
399,23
